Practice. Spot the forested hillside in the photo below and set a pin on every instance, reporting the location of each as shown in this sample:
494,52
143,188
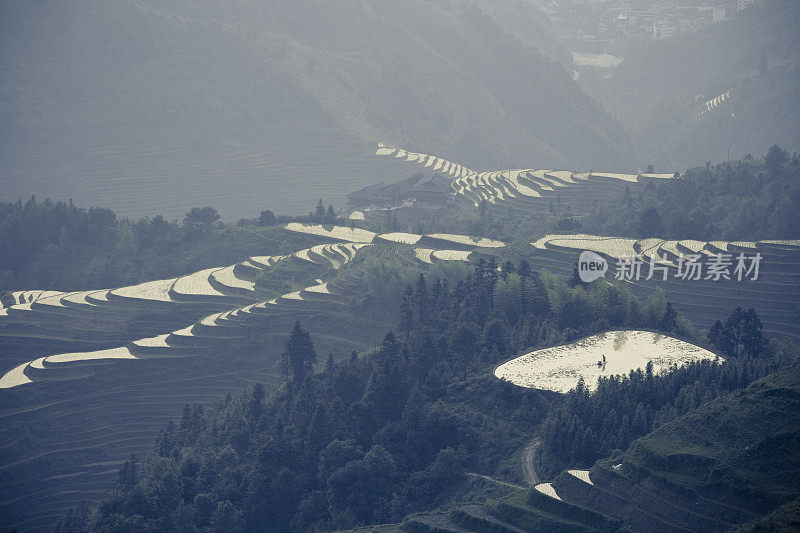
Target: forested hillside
60,246
563,294
584,426
735,200
378,435
720,467
747,199
741,448
391,431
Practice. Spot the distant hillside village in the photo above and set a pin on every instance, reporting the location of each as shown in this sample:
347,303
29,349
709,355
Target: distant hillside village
596,25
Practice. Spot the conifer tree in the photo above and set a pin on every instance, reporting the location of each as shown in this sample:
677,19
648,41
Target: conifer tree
299,355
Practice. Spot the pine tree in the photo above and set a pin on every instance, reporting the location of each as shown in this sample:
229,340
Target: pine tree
524,269
752,339
257,401
719,337
127,476
669,320
480,269
299,355
330,365
413,410
639,424
319,212
587,447
492,271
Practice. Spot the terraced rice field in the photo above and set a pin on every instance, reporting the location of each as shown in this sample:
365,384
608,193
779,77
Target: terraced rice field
583,59
530,190
559,368
451,255
479,242
107,368
774,295
23,297
424,254
114,400
591,500
336,232
152,290
405,238
610,247
715,103
547,489
437,163
104,364
220,286
107,312
583,475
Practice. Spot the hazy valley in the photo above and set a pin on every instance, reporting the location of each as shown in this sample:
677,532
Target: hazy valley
421,266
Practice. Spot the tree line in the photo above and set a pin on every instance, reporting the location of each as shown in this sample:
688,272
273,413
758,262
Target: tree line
57,245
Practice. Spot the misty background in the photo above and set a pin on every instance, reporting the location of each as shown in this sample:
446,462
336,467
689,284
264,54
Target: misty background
150,108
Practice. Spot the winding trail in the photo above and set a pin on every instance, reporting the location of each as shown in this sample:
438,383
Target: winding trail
529,471
499,482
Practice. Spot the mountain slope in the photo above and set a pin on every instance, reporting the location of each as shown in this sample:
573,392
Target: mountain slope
741,449
660,90
725,463
151,108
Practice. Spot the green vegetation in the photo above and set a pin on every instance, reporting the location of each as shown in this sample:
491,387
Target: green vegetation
738,460
367,440
584,427
742,447
296,415
200,220
59,246
737,201
546,513
751,199
785,519
739,335
377,436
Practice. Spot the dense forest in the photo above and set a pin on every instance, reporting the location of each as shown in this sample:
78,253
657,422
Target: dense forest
736,200
60,246
371,437
384,433
57,245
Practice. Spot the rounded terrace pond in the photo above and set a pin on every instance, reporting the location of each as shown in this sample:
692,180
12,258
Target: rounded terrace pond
559,368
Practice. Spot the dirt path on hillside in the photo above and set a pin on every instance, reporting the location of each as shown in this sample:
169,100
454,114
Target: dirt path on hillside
498,481
529,471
